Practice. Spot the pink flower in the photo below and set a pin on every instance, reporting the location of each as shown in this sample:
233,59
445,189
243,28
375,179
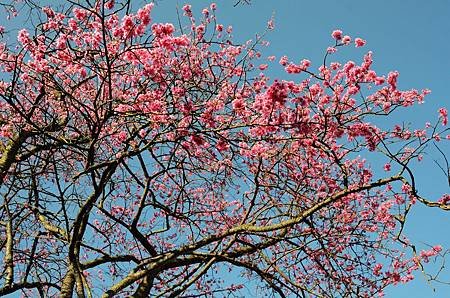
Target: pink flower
406,188
293,68
143,14
72,24
161,30
353,90
331,50
122,136
284,60
306,63
222,145
346,39
238,104
127,22
23,37
49,12
437,248
387,167
379,80
270,24
337,34
198,140
445,199
392,79
359,42
79,14
213,6
377,268
444,115
61,41
200,29
187,10
109,4
263,66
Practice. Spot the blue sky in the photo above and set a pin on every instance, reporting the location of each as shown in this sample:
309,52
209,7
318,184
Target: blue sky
409,36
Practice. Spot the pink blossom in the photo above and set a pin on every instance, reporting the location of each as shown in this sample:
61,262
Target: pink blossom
406,188
161,30
306,63
359,42
80,14
198,140
213,6
238,104
142,133
293,68
379,80
270,24
437,248
444,115
122,136
23,37
61,41
426,92
283,60
127,22
49,12
392,79
331,50
72,24
187,10
353,90
222,145
110,4
189,103
337,34
277,92
426,254
377,268
346,40
200,30
143,14
445,199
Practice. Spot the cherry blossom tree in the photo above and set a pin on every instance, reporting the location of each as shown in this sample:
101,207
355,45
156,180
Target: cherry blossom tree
147,159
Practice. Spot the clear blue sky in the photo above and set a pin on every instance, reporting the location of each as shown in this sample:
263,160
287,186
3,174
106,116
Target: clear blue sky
412,37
